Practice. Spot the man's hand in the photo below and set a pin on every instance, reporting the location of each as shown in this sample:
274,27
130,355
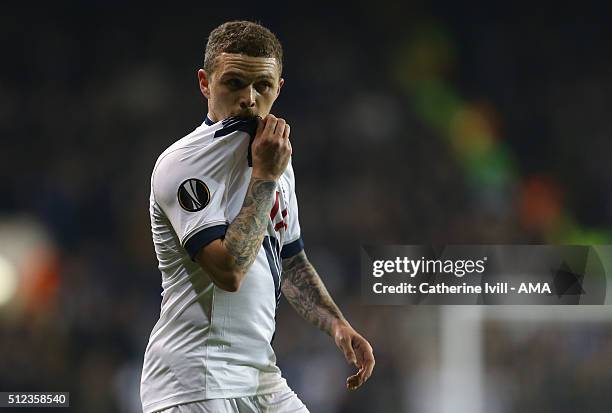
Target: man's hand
271,148
357,352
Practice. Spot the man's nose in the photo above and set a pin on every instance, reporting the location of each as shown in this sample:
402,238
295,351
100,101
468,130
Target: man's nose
247,99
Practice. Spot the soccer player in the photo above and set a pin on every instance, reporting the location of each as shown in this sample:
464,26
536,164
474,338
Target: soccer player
224,219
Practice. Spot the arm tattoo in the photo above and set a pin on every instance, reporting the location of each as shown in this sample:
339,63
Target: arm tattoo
307,294
245,234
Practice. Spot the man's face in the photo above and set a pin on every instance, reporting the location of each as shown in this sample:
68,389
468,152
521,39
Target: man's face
241,86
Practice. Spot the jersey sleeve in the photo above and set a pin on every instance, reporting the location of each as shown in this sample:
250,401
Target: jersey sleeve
293,243
190,187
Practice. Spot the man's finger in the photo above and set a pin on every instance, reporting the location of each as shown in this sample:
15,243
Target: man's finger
353,382
260,126
367,368
270,125
280,128
366,358
287,131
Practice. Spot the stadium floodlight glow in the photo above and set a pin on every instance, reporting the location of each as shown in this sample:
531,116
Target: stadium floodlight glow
8,281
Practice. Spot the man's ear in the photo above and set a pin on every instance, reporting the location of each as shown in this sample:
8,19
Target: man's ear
203,81
280,85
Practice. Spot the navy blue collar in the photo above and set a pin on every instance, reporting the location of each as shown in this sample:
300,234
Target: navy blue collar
208,121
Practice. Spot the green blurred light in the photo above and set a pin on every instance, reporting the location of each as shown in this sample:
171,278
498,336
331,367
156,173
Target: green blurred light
587,236
493,168
420,67
437,104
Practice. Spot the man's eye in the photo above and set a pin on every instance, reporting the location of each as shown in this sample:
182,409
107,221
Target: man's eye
263,87
234,83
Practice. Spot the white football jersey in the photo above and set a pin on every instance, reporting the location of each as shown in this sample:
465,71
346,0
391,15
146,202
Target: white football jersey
209,343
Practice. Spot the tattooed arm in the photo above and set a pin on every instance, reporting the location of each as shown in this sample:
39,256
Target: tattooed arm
307,294
227,260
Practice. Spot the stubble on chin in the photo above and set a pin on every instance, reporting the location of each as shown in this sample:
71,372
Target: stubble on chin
248,114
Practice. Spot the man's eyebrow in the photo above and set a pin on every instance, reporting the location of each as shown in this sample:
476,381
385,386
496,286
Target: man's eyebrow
233,74
242,75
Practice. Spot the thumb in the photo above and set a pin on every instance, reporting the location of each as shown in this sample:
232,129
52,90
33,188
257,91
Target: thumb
347,348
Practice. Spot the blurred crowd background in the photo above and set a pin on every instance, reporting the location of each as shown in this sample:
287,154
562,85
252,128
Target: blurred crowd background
411,124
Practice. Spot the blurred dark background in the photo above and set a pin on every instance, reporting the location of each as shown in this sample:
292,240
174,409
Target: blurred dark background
414,124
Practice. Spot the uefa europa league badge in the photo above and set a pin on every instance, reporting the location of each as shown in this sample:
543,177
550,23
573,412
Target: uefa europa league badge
193,195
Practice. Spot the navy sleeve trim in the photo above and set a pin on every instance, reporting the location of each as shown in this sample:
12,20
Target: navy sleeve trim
292,248
203,238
